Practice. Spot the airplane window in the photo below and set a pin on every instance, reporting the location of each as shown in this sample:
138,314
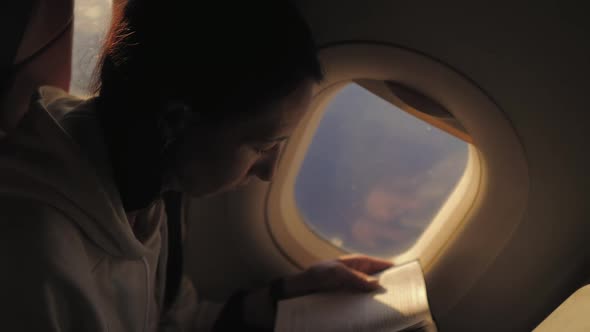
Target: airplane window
374,176
91,20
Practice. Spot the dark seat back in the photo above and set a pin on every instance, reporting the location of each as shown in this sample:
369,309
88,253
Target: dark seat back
36,50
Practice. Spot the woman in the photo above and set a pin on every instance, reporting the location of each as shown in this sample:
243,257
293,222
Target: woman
183,104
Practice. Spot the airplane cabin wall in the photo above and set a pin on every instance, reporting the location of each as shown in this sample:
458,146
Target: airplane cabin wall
533,61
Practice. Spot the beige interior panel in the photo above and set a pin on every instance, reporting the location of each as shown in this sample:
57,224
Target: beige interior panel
531,60
494,194
571,315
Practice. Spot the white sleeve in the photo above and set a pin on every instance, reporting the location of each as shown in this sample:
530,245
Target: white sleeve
44,286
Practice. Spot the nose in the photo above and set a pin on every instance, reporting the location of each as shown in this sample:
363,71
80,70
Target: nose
265,167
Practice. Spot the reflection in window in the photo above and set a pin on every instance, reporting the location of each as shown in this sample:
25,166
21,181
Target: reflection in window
374,176
91,20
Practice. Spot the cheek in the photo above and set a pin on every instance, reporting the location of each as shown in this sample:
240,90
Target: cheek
234,166
216,168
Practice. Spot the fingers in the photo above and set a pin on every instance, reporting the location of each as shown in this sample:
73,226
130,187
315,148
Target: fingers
331,276
334,275
365,264
355,280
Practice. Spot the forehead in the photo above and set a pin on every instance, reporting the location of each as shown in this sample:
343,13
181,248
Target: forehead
270,123
280,118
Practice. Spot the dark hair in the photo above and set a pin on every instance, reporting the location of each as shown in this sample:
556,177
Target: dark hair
225,58
245,54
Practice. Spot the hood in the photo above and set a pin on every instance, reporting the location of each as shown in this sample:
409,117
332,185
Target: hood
57,156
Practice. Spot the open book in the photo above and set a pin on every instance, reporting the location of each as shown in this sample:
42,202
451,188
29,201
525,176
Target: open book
401,305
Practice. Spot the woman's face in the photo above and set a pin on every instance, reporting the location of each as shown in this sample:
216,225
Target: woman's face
213,160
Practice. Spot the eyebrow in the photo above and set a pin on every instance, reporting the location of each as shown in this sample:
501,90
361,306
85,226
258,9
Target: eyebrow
276,139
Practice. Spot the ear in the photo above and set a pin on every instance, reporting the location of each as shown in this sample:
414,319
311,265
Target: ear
175,117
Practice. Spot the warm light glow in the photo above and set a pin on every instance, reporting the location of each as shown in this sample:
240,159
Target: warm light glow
91,20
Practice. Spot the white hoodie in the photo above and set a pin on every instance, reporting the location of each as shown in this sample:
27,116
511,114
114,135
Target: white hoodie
71,260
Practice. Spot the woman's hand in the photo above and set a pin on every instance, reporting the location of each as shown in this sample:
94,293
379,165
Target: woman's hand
345,273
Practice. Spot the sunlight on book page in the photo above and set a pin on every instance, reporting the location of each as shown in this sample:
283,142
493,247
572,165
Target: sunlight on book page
401,305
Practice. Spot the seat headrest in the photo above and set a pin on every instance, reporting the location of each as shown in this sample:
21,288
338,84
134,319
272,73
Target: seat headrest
37,52
48,19
14,16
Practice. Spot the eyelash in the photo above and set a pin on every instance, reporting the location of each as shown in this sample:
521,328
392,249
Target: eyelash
263,151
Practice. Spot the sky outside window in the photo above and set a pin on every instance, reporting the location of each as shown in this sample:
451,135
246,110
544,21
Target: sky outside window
374,176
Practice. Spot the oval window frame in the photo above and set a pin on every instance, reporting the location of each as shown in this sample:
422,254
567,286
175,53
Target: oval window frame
496,178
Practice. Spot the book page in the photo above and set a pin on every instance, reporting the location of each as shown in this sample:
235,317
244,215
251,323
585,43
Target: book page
401,305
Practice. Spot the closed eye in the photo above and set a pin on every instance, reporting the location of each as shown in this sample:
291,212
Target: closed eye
265,148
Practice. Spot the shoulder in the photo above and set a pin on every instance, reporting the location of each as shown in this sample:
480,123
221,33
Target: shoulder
42,237
57,101
47,277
